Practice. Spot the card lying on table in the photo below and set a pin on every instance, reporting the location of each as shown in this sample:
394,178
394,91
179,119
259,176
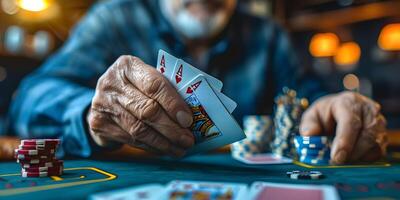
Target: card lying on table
213,125
265,190
204,190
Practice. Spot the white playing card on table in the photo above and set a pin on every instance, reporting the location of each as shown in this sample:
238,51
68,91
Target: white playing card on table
213,125
262,159
142,192
205,190
165,63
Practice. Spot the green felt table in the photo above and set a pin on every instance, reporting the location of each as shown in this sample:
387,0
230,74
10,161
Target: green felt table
85,177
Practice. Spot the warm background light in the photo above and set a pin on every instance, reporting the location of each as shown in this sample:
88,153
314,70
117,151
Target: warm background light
389,38
348,54
33,5
324,45
351,82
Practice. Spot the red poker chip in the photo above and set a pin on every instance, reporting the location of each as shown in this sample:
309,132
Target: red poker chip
40,174
40,142
59,169
54,163
35,160
34,152
35,157
38,147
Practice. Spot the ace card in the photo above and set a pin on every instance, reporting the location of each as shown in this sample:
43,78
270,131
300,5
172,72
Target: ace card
213,126
165,63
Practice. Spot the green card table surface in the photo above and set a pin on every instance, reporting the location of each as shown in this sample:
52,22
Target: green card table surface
82,178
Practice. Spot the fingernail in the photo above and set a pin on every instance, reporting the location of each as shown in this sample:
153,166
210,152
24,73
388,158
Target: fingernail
340,157
186,141
184,119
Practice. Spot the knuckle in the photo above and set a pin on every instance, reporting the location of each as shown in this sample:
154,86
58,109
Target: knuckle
138,130
96,121
155,85
149,110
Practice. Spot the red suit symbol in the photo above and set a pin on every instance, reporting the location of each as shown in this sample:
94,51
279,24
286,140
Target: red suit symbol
193,87
162,64
178,75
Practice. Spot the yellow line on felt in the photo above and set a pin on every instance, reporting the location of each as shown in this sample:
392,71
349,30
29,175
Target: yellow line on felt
55,186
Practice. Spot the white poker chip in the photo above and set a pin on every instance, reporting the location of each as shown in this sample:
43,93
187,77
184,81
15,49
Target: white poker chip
296,174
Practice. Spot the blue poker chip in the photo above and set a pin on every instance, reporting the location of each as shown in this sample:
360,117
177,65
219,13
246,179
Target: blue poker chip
315,161
315,152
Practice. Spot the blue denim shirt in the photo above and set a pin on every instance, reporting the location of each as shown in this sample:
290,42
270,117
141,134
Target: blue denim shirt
252,57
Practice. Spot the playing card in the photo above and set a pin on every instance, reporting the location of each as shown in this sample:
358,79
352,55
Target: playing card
189,190
143,192
165,63
213,126
265,190
262,159
184,72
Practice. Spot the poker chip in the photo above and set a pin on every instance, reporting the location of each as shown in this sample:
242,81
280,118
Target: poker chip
37,158
314,150
288,111
39,174
258,130
43,164
313,175
41,142
34,152
37,147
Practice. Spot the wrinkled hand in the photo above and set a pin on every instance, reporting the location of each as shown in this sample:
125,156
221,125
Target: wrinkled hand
356,120
134,104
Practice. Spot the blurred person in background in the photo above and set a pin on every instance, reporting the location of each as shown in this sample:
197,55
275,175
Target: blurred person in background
101,90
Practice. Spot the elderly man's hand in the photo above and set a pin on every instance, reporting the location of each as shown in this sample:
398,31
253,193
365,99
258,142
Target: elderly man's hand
359,126
134,104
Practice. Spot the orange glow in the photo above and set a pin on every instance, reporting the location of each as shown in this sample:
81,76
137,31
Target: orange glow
389,38
348,54
324,45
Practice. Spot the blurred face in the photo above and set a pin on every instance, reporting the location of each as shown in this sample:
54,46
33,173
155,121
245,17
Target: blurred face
198,19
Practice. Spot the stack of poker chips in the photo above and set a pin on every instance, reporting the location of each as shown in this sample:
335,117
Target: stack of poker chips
258,130
37,158
288,112
314,150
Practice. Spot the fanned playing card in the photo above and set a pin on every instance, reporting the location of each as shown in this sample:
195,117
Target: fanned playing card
166,63
142,192
213,126
205,190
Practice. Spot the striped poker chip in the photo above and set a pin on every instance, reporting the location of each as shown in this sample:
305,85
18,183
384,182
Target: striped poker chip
34,157
34,152
37,147
41,142
313,175
43,164
316,152
35,161
40,174
59,169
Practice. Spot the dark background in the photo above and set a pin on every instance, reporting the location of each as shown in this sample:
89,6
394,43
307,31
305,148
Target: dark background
360,21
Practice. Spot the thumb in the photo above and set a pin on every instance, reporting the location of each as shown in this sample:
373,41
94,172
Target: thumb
310,124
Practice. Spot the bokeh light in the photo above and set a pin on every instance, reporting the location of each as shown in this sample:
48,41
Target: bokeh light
42,41
351,82
9,6
324,44
33,5
389,38
348,54
14,39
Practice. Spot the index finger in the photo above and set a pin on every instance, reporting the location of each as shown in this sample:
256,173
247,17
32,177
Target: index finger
347,115
154,85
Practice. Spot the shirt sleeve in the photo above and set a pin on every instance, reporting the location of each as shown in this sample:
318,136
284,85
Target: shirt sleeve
288,72
52,102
